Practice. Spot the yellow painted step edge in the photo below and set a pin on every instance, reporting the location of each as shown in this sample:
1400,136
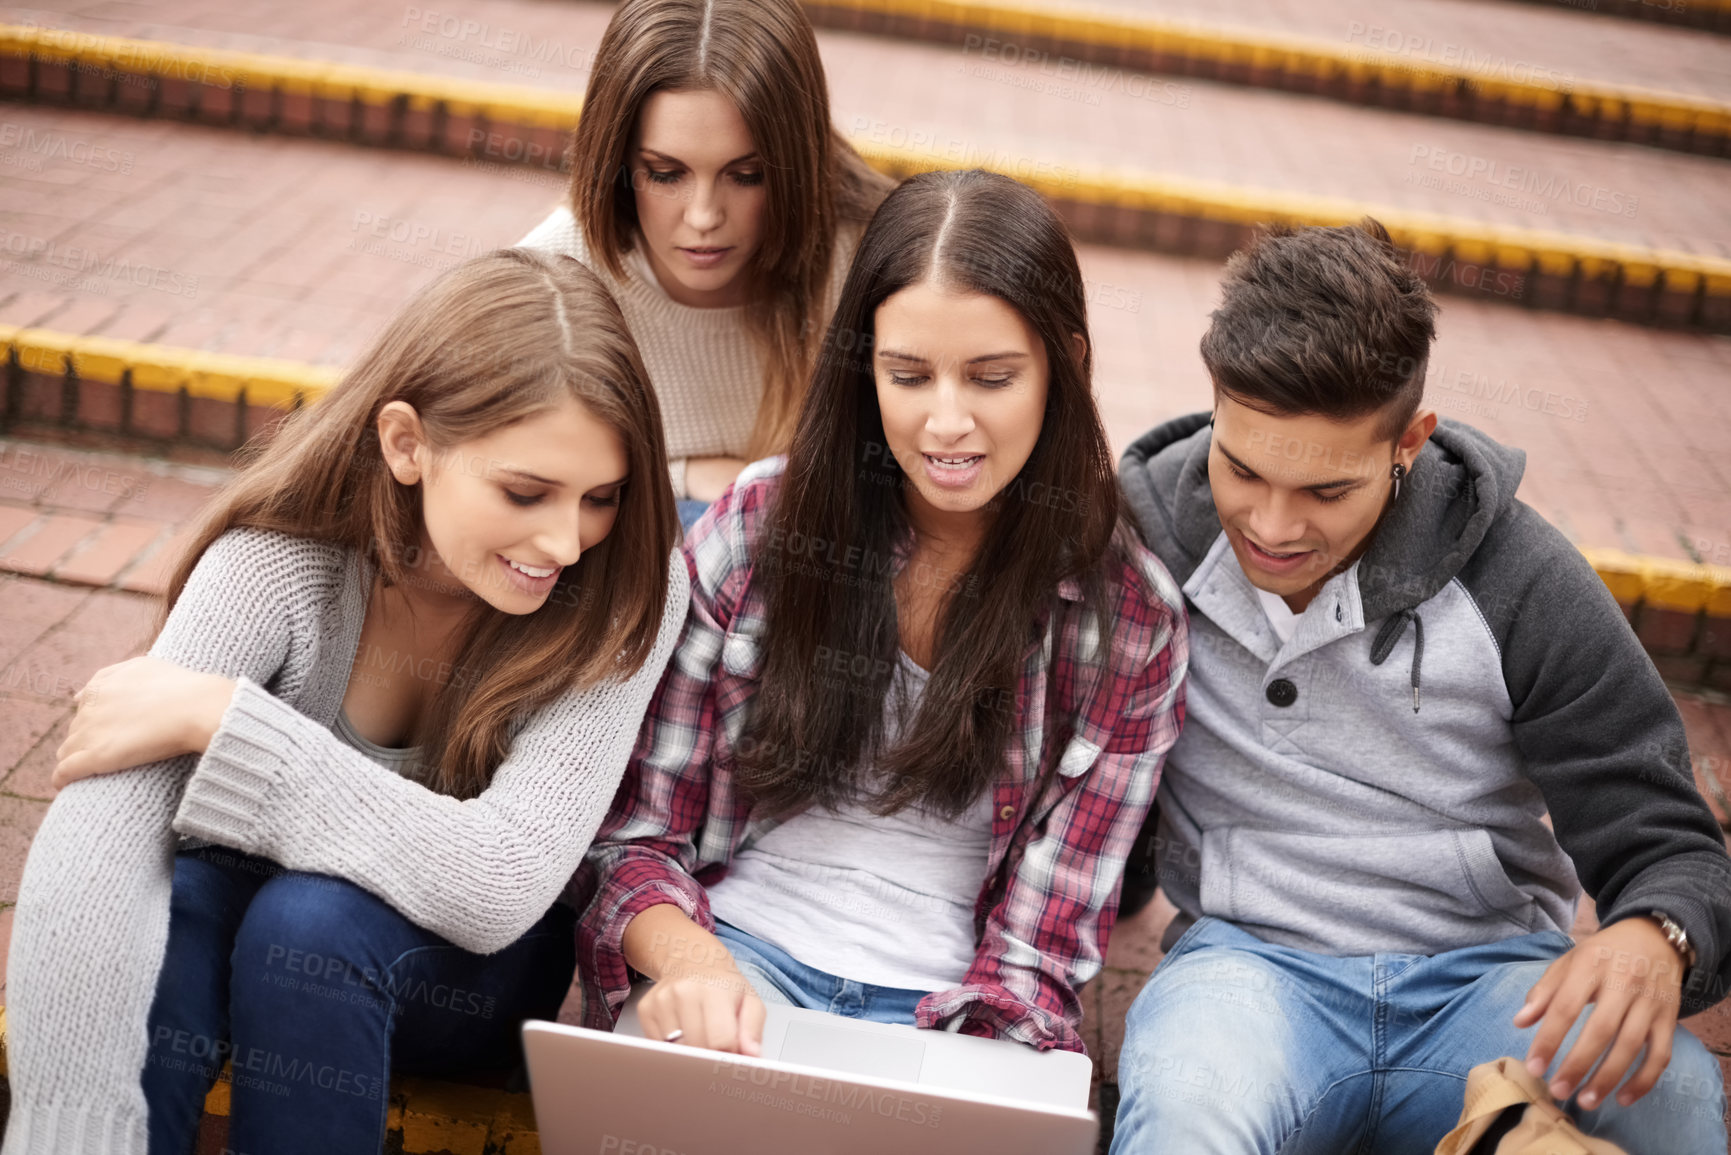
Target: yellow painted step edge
1511,247
1115,28
225,68
1659,582
1664,583
1515,248
165,368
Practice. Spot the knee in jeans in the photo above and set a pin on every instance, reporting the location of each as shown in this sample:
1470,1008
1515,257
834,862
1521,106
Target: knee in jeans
1214,984
308,932
1201,1011
1684,1113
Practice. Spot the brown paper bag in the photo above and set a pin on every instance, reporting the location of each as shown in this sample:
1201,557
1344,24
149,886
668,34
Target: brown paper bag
1543,1129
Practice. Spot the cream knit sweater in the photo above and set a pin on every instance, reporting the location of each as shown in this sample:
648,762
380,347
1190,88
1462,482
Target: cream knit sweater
283,616
707,372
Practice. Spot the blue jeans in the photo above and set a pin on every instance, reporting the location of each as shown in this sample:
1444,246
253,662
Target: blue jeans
779,978
689,511
1237,1045
316,990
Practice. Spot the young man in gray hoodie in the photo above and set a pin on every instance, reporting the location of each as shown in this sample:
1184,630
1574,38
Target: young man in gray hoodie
1397,671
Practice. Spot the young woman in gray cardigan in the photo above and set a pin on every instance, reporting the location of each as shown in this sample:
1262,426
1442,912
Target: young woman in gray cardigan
321,830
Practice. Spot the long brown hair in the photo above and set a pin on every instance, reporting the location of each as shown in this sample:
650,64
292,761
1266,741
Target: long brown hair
811,738
762,55
489,343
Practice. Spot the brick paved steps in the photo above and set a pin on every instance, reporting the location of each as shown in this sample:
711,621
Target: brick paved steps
1218,134
1444,57
525,42
1546,222
220,241
95,519
1623,425
1548,44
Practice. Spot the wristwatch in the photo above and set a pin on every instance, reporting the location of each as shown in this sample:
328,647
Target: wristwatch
1677,937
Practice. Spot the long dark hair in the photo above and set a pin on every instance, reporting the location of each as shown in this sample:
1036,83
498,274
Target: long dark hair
823,559
762,55
489,343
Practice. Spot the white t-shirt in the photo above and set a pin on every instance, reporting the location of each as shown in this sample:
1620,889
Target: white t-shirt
882,900
1279,615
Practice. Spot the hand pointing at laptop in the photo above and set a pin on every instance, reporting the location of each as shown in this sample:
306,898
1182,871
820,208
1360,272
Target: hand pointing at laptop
699,997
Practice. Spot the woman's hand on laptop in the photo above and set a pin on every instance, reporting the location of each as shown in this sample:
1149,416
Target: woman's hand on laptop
1632,976
699,997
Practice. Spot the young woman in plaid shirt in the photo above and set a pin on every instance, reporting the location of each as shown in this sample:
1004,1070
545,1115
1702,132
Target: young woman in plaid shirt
928,680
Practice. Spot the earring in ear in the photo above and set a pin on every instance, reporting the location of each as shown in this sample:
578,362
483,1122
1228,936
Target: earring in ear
1398,472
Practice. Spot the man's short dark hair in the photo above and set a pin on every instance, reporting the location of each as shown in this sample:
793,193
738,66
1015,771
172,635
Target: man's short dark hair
1325,321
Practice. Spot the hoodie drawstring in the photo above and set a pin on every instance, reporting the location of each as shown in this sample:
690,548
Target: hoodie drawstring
1390,634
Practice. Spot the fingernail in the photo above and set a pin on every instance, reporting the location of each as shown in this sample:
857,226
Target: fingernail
1589,1099
1559,1090
1536,1067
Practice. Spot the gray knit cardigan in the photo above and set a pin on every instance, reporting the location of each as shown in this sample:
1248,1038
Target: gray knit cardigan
283,616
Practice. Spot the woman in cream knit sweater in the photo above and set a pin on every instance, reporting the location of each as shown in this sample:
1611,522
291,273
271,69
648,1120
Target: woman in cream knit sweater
713,195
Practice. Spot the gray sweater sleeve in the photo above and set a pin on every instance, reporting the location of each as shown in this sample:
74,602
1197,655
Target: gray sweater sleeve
478,872
1604,743
92,916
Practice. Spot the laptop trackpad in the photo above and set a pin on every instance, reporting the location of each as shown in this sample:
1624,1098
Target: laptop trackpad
857,1052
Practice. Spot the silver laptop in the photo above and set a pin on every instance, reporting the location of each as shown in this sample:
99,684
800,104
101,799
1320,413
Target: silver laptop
826,1085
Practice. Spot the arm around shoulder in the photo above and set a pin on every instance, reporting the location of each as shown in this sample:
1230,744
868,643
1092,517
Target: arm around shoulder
479,871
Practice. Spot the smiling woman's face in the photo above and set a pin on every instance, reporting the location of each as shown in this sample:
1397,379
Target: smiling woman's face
961,385
700,193
503,514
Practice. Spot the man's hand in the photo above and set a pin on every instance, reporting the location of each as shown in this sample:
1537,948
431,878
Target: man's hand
1633,977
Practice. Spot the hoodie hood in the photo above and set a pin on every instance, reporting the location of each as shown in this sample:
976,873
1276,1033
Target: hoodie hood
1460,484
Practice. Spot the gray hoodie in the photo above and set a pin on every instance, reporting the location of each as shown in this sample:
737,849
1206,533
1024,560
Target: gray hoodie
1379,781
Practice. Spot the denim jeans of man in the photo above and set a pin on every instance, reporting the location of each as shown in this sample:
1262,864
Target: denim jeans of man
316,991
1239,1047
779,978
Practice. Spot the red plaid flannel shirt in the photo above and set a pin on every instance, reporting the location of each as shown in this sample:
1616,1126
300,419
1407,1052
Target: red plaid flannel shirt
1048,904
